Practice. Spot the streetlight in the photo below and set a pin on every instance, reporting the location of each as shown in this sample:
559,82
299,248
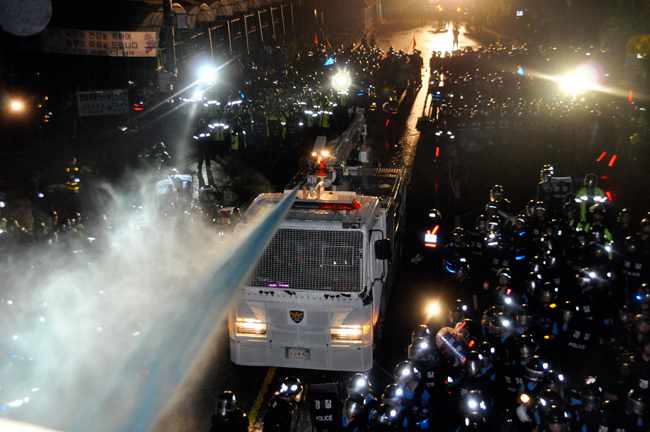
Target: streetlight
208,74
342,81
16,105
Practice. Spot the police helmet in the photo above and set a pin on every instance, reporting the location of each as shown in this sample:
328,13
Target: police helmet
591,395
535,368
496,193
481,222
159,146
533,282
354,405
491,207
549,398
640,318
75,220
226,403
536,264
644,293
585,277
526,346
392,395
435,216
645,222
500,323
580,237
488,314
541,205
487,350
419,348
520,218
590,181
360,384
624,216
569,311
556,419
494,223
473,363
637,402
458,231
458,306
525,315
505,272
385,413
404,372
626,315
291,387
546,293
570,207
553,381
474,422
420,332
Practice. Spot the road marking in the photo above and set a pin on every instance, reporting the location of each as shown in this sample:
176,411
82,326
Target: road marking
252,415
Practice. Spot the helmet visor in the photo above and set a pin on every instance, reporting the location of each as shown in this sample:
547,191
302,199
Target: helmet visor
534,376
352,409
590,401
224,407
473,367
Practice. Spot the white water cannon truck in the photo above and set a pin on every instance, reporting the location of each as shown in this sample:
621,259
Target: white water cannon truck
316,298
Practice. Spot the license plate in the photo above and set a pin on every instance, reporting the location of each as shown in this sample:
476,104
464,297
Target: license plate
297,353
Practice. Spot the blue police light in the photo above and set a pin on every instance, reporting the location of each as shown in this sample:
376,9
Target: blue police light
520,70
639,297
330,61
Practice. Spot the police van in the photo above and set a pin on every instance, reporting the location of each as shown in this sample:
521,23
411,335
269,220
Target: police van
316,298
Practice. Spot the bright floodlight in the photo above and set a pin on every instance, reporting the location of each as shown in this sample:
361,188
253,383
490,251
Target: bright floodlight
342,81
434,309
208,74
16,105
198,94
587,75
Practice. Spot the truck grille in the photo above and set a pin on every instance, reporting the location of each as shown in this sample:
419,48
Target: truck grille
313,260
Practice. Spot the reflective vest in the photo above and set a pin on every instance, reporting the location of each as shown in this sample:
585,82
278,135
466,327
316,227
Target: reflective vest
219,129
587,201
324,119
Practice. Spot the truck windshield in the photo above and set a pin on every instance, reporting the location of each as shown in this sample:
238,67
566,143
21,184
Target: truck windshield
313,260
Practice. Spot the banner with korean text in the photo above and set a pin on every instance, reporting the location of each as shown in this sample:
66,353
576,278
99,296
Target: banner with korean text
103,102
99,43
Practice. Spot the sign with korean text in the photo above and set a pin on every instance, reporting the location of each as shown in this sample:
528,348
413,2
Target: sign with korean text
325,408
103,102
99,43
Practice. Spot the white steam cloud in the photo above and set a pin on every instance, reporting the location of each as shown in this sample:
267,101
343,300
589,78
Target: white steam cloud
73,318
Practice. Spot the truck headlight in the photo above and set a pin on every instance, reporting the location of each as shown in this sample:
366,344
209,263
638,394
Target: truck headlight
348,334
250,328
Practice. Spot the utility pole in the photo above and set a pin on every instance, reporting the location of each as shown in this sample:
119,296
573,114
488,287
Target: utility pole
170,37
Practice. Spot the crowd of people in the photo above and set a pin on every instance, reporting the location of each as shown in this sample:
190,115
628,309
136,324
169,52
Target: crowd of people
547,328
548,324
539,95
278,103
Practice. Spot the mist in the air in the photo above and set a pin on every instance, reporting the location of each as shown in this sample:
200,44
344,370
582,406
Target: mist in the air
73,314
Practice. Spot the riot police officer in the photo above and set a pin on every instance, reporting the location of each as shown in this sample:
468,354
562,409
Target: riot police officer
279,412
227,416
